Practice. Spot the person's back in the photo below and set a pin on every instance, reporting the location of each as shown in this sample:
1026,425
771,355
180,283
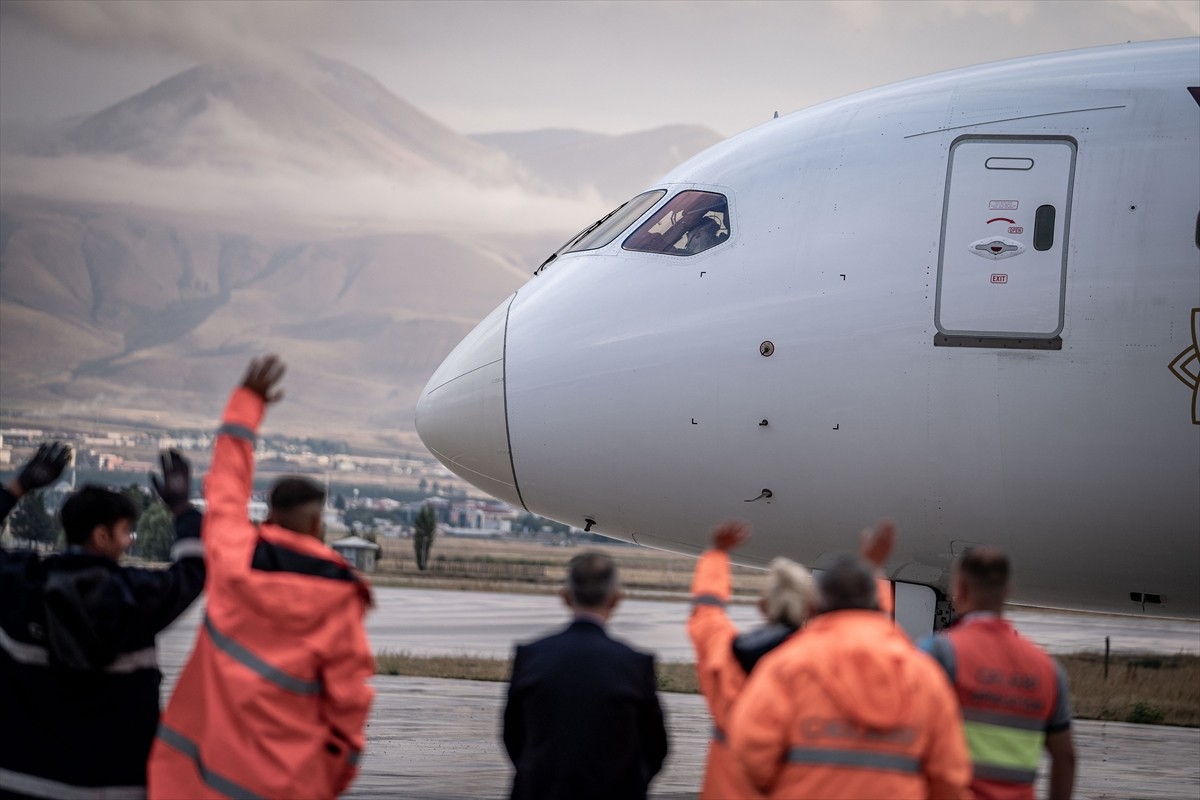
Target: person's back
273,700
79,674
582,718
724,658
849,709
1014,697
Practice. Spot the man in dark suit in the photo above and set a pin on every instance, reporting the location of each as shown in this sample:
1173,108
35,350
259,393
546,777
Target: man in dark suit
583,719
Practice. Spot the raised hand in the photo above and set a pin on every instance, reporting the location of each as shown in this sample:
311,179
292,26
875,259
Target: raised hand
263,376
877,544
177,480
730,534
46,465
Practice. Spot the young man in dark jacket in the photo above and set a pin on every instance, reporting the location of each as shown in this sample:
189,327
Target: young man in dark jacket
79,675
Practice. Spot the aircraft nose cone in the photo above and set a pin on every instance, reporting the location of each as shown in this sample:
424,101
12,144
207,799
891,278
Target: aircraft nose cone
461,413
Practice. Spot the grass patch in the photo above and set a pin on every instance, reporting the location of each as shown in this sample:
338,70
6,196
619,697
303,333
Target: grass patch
672,677
390,662
1157,690
1152,689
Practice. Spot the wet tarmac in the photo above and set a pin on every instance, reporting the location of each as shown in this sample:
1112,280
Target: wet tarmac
434,622
439,739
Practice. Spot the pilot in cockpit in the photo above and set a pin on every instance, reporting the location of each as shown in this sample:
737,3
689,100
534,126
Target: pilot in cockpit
702,236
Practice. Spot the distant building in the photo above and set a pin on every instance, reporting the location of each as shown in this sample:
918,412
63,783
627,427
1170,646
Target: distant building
358,551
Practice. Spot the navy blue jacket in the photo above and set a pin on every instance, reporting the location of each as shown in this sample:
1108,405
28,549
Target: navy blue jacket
582,718
79,677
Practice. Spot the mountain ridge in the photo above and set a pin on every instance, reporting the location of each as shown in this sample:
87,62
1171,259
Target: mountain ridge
155,246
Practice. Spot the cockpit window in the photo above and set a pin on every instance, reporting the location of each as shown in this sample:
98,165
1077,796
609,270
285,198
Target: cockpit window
609,227
690,222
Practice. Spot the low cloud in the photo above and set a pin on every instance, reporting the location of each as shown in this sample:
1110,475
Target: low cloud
352,200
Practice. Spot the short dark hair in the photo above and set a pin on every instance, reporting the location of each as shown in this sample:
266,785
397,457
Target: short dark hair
848,583
91,506
985,569
293,491
591,579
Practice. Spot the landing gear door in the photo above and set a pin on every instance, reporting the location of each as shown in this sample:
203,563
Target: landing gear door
1002,265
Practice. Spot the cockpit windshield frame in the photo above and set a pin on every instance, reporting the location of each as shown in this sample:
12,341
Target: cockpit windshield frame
691,222
605,230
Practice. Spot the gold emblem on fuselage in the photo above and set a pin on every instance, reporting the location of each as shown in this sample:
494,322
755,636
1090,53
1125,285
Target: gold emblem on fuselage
1186,366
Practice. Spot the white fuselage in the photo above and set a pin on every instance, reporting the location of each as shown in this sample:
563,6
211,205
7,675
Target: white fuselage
631,388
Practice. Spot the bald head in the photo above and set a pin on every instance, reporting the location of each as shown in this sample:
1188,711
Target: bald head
297,504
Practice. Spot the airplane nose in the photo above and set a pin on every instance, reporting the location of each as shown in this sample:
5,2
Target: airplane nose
461,413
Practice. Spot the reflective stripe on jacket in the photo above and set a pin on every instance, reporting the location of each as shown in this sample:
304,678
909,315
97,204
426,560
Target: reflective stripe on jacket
720,675
274,699
1009,691
850,709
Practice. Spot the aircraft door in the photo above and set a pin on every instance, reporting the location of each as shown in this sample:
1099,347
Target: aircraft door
1002,264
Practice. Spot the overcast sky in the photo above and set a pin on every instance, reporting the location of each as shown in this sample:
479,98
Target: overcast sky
604,66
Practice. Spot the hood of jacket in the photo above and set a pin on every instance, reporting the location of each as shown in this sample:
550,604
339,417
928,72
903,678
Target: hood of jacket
866,667
296,579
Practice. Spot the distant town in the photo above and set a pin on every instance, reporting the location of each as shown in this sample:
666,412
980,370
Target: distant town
368,495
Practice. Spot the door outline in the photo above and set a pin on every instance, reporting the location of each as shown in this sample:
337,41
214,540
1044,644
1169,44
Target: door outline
950,337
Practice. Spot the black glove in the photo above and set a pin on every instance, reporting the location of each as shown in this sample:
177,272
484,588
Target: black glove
46,465
176,482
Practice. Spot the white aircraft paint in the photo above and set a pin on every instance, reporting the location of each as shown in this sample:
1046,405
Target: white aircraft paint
848,352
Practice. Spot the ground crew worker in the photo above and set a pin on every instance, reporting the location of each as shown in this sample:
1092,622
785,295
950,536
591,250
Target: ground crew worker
849,708
724,658
274,699
1015,699
79,677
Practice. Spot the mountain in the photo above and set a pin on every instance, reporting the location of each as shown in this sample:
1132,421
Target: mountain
316,114
155,316
147,252
617,167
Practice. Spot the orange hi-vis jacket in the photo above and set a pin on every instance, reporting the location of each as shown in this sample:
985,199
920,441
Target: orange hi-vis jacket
850,709
274,699
721,676
1012,694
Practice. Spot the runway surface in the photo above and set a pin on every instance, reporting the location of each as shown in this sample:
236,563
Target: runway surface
485,623
439,739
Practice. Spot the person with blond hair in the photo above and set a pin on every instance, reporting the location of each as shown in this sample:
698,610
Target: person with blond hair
724,658
849,708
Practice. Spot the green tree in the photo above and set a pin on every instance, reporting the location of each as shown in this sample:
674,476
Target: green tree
424,529
32,522
155,533
139,496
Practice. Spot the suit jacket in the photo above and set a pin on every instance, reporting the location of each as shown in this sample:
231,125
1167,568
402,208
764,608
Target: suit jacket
582,718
